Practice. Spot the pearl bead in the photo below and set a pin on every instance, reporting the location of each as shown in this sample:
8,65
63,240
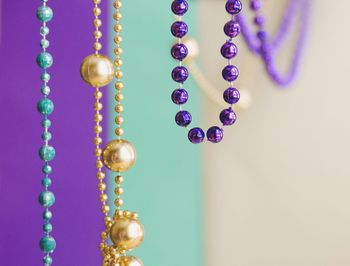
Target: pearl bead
127,233
97,70
128,261
119,155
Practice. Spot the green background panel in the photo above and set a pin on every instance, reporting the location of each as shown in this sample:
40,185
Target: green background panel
165,185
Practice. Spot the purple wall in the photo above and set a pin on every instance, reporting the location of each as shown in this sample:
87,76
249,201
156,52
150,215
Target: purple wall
76,219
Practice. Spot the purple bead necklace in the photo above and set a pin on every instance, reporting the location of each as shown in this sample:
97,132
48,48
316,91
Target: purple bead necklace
266,47
180,73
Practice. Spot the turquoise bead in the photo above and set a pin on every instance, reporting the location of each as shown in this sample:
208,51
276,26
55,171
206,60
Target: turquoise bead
47,153
46,199
46,136
45,90
47,244
45,106
44,30
47,261
46,123
45,77
44,60
44,13
47,215
47,169
46,182
44,43
47,228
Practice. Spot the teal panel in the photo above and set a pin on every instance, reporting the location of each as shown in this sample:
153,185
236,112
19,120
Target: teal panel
164,187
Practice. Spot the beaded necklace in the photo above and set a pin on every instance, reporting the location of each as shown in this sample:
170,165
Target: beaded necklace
180,73
124,229
46,152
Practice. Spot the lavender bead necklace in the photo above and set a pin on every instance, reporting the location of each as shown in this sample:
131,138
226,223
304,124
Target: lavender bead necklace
266,47
180,73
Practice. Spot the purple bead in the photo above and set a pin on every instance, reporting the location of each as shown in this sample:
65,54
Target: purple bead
230,73
179,7
179,29
232,28
255,5
179,74
262,35
196,135
227,117
183,118
229,50
179,96
233,6
231,95
215,134
259,20
179,51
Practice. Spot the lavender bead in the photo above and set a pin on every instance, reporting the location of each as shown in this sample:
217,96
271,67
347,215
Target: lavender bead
228,117
179,29
183,118
231,95
179,51
196,135
215,134
233,6
179,96
255,5
229,50
232,29
179,7
230,73
262,35
179,74
259,20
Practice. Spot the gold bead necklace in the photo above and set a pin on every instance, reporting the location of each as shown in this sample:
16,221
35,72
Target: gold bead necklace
123,229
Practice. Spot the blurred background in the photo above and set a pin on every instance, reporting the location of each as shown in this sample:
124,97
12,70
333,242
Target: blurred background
274,192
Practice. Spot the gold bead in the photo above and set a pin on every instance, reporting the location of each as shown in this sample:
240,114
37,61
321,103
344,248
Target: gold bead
102,186
97,34
119,120
97,129
96,2
134,215
118,62
127,214
99,164
119,85
119,191
97,70
96,11
118,214
118,202
98,117
98,151
117,4
98,95
105,208
97,22
100,175
119,155
118,74
117,16
118,51
97,46
119,179
128,261
126,233
107,219
119,108
119,131
118,39
104,235
97,141
119,97
118,28
103,197
98,106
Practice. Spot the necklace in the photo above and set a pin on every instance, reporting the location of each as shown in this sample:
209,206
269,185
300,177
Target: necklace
266,47
180,73
124,229
46,152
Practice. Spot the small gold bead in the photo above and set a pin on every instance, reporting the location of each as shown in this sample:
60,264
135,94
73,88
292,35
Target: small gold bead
98,141
102,186
97,46
119,131
117,4
119,120
117,16
99,164
119,108
118,74
102,246
119,191
118,28
98,95
98,106
118,62
100,175
118,51
107,219
97,22
126,214
118,39
134,215
104,235
98,117
119,85
96,2
97,129
118,213
103,197
98,151
97,34
119,179
105,208
119,97
96,11
118,202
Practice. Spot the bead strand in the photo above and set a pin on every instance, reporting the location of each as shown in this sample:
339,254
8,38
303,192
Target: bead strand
46,153
97,23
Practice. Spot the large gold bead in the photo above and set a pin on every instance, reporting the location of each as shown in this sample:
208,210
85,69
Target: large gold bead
97,70
128,261
119,155
126,233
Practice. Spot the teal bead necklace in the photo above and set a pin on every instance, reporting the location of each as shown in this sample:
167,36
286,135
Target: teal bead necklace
46,152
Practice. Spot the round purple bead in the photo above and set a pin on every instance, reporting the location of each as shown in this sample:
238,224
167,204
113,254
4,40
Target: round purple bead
233,6
179,29
230,73
259,20
215,134
196,135
179,51
232,28
179,74
183,118
262,35
179,96
255,5
229,50
179,7
231,95
227,117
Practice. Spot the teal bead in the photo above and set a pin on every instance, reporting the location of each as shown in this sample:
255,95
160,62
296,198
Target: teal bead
46,136
46,123
47,169
47,244
47,153
46,199
45,77
44,30
47,260
45,106
44,60
46,182
47,215
47,228
44,13
44,43
45,90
